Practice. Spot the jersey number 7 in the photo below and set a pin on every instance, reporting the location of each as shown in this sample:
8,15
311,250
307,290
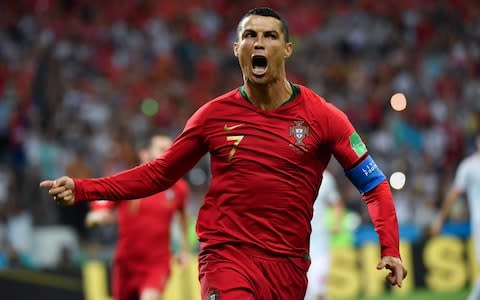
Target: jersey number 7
237,139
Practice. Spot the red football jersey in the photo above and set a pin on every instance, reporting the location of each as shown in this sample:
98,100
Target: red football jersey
144,224
266,170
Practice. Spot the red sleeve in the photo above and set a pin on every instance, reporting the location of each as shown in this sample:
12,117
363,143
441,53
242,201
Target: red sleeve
384,218
341,131
153,177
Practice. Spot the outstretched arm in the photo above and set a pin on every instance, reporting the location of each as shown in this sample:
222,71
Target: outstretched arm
139,182
62,190
451,198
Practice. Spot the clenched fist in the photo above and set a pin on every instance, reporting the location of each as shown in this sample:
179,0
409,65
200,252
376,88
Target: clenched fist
62,190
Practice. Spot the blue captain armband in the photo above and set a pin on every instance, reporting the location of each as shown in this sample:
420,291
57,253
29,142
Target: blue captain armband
365,176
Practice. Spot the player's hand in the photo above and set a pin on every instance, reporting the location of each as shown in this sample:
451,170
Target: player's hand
99,217
398,272
436,227
62,190
183,258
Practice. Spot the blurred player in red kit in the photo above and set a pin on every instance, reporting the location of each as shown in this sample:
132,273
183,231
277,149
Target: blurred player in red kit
142,260
270,141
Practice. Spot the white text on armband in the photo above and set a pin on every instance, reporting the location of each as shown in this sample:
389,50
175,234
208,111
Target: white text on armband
370,168
365,176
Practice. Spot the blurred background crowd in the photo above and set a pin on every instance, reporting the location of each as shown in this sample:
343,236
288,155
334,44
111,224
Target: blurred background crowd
84,83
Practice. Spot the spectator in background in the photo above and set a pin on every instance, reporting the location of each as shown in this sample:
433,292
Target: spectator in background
467,181
142,260
16,236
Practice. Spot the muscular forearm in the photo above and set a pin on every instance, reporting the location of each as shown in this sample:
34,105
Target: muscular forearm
382,213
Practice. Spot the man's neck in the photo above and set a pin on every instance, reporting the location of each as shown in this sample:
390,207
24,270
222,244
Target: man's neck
269,96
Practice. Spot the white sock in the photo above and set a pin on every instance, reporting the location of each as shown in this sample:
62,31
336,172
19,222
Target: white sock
475,293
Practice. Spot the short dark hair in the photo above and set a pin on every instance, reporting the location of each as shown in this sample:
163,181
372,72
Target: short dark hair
268,12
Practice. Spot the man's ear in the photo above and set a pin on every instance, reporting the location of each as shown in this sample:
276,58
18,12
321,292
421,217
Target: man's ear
235,49
288,50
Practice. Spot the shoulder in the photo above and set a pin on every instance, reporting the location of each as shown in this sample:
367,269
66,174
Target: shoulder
317,102
214,105
469,164
467,161
310,96
322,111
229,97
473,158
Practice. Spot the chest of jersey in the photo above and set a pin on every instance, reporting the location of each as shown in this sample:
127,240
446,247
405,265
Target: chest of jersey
284,139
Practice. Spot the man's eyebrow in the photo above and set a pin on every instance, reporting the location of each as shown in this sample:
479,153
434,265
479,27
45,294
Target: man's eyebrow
266,31
247,31
271,31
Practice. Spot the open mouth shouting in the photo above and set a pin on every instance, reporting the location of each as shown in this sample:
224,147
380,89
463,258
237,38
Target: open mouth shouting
259,65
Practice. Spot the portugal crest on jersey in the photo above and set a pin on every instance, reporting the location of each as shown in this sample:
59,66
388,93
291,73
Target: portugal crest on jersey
299,131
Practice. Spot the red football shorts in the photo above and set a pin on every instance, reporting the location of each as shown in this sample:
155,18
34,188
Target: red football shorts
130,280
232,272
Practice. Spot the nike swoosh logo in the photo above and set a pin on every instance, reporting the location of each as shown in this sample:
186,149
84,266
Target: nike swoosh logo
228,128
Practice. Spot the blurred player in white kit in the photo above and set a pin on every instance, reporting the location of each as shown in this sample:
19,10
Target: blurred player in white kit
318,272
467,181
